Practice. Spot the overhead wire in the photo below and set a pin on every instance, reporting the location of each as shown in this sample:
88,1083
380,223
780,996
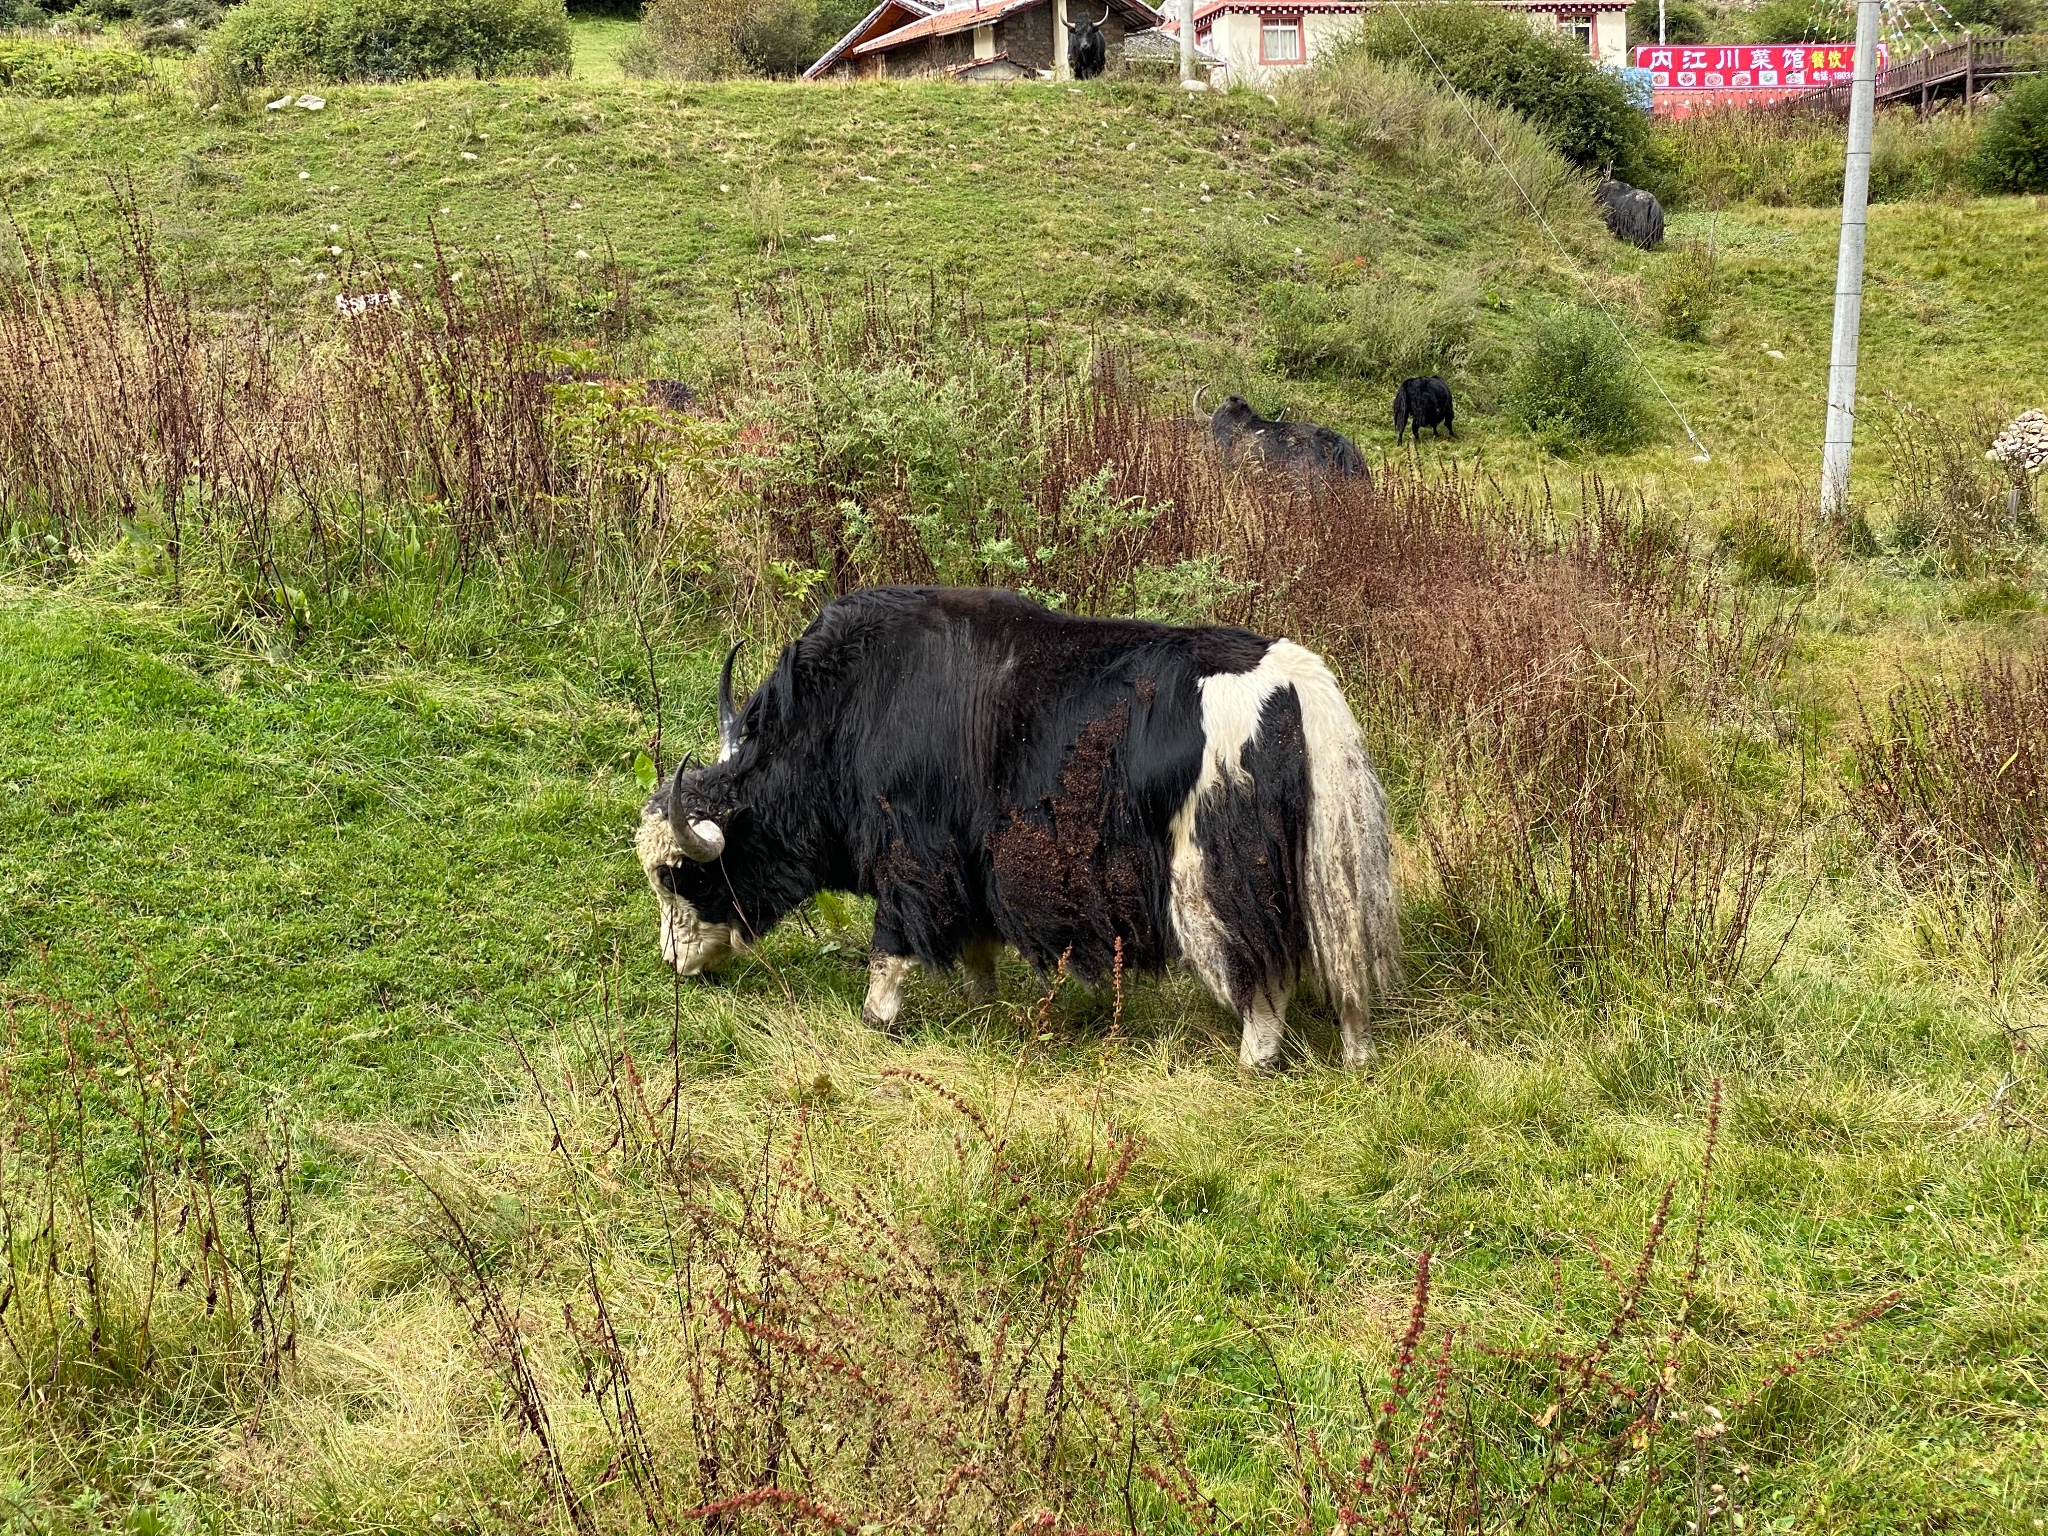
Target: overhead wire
1578,271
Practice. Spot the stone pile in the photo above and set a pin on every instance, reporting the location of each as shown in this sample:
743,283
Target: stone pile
2023,446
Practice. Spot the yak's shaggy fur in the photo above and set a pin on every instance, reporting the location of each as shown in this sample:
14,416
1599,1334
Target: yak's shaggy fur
992,772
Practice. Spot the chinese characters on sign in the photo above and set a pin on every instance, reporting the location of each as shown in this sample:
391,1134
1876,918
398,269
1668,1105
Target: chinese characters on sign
1774,66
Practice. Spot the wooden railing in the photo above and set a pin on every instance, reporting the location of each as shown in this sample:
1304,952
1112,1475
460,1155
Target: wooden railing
1969,63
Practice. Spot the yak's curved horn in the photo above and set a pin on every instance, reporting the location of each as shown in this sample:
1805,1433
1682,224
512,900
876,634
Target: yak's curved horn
1105,19
701,841
1200,390
728,717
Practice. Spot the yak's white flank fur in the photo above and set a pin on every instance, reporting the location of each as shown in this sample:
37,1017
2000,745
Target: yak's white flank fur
688,943
1353,927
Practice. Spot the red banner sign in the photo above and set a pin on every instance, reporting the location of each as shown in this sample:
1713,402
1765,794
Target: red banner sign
1759,66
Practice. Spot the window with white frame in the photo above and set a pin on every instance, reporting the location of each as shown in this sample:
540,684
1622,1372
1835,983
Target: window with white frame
1577,30
1280,42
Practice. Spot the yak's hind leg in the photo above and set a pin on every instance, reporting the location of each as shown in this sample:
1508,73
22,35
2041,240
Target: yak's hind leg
1265,1025
1359,1050
887,975
978,962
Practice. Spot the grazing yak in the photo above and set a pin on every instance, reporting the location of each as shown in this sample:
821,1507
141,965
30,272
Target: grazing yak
1087,48
1100,791
1423,403
1631,213
1300,446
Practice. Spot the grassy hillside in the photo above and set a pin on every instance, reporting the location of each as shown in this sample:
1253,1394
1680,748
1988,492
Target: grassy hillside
1208,231
366,1172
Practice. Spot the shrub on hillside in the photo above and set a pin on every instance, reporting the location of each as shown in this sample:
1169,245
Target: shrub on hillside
1494,55
1785,158
1396,114
1575,384
393,39
41,66
1684,22
1689,295
1801,21
2012,150
2011,17
717,39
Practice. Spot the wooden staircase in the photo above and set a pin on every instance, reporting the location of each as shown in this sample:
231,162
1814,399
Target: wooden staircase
1955,69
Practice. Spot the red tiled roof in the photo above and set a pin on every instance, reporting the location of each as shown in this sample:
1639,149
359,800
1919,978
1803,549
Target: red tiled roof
1212,8
954,18
865,27
982,13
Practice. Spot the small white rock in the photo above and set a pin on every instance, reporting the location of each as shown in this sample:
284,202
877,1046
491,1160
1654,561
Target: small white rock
468,154
312,103
278,105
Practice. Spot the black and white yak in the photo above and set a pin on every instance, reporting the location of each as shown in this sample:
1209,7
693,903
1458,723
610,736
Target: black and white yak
994,773
1301,447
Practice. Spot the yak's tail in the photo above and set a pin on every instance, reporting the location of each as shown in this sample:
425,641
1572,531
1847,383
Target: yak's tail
1354,927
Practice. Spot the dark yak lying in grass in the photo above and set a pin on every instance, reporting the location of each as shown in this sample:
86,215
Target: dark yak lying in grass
1423,403
1106,790
1299,446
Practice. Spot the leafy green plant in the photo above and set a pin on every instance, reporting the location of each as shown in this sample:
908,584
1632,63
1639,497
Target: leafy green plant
41,66
1575,384
1765,551
1684,22
1495,56
716,39
2012,151
273,40
1690,294
1801,21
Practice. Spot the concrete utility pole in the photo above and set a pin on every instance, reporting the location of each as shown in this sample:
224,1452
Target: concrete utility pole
1661,38
1061,69
1834,467
1187,39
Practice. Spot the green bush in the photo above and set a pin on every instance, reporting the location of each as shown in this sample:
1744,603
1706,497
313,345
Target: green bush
1794,159
1575,384
1684,22
42,66
1801,21
2011,17
276,40
1765,552
714,39
1495,56
1382,329
1690,294
2012,149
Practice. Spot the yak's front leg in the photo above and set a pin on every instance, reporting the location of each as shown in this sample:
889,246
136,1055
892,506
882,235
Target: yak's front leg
887,975
978,962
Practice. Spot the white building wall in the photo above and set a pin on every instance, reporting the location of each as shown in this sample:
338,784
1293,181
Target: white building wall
1611,34
1235,39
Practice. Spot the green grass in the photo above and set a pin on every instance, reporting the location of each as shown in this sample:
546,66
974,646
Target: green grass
597,41
1083,204
351,872
352,868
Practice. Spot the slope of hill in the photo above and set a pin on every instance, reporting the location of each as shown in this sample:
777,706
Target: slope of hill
1223,235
